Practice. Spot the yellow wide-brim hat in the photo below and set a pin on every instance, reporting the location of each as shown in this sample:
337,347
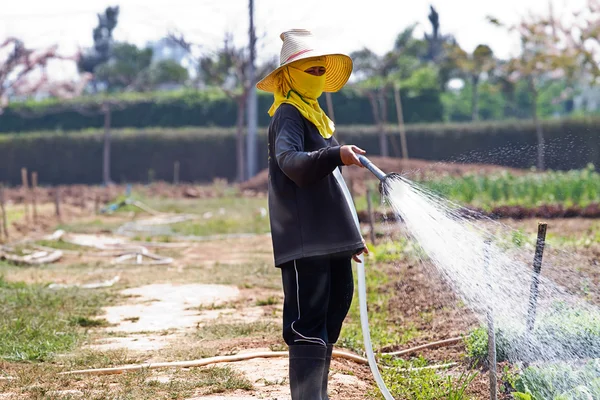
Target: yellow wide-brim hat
300,44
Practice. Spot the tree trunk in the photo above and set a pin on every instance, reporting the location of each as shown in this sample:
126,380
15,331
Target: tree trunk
383,147
241,159
475,98
538,129
400,122
384,120
106,153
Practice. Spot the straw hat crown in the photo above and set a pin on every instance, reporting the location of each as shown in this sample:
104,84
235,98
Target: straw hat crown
299,44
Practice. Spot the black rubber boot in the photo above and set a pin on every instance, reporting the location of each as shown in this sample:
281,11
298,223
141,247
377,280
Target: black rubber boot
326,372
306,371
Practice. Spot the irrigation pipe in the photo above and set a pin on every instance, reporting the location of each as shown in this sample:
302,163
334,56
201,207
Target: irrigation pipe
204,362
433,345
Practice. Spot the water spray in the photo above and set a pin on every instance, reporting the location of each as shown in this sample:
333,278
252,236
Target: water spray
362,286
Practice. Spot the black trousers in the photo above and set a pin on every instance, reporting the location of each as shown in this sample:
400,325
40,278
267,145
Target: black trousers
318,293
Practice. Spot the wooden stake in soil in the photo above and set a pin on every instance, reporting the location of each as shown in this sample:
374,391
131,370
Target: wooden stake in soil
57,202
535,280
96,203
4,227
371,219
176,173
34,183
25,184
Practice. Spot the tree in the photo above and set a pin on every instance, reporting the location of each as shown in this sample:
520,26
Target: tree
227,68
100,53
126,69
551,50
473,65
372,71
404,66
437,49
167,72
23,72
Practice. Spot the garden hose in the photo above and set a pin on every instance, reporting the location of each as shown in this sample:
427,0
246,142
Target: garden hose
362,294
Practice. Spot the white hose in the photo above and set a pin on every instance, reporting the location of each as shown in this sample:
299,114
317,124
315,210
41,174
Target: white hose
364,324
362,296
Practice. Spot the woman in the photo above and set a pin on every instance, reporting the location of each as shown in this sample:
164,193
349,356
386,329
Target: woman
312,218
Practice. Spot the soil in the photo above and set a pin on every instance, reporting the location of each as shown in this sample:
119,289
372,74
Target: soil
420,298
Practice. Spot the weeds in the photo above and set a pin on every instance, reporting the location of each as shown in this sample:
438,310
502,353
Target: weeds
236,330
36,322
409,380
269,301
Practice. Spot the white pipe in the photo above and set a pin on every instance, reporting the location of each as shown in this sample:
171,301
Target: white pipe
362,296
364,324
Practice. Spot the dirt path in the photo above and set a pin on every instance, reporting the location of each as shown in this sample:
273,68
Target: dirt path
162,321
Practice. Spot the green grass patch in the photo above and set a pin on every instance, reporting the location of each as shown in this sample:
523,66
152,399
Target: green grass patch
237,330
59,245
36,323
221,225
378,296
269,301
408,380
44,382
98,225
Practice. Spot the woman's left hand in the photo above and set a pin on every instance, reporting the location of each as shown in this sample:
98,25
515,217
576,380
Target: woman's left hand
365,251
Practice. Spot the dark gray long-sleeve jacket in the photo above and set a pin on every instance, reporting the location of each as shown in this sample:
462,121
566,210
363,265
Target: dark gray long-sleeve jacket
309,213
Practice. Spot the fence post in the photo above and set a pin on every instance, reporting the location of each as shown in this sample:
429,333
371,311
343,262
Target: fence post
24,182
34,183
57,203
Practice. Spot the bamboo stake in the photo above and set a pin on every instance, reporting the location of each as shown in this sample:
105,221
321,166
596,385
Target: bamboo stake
3,211
400,122
433,345
25,184
204,362
537,268
34,183
57,202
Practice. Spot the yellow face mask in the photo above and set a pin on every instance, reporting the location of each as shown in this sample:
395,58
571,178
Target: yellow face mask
302,90
307,85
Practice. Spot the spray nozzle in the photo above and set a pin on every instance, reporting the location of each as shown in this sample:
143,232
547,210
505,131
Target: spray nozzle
382,176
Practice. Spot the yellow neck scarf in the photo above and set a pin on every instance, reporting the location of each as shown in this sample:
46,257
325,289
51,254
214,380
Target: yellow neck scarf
302,90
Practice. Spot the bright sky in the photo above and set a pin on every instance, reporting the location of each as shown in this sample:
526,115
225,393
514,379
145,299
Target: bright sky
346,24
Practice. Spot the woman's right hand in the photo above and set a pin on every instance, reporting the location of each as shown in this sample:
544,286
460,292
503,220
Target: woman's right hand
349,153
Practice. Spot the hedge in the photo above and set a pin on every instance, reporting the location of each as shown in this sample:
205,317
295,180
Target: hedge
206,153
192,108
